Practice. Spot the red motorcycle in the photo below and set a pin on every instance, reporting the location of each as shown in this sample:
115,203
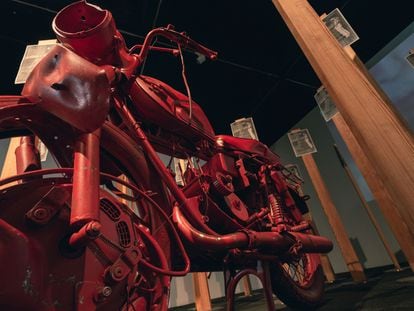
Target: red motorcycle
108,227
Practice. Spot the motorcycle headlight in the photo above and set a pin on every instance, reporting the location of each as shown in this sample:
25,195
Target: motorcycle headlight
86,29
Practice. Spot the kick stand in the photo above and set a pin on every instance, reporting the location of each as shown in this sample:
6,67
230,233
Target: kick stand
232,278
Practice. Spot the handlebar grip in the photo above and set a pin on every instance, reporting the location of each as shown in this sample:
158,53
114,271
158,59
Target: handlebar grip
185,41
199,48
178,37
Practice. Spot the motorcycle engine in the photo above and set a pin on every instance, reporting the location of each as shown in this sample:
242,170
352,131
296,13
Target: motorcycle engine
220,180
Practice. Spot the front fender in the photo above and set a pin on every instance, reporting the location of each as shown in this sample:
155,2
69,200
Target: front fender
70,87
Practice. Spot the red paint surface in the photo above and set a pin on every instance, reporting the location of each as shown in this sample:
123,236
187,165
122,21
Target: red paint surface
71,241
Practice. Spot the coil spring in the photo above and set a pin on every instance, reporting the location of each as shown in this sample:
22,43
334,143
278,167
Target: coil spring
276,211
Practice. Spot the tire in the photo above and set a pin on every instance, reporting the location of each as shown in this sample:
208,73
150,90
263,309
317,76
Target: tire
299,284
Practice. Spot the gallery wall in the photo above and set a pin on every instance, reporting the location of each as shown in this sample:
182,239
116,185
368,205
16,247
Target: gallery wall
397,79
395,76
362,234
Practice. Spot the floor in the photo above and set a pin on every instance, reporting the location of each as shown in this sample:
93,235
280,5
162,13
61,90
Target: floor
385,290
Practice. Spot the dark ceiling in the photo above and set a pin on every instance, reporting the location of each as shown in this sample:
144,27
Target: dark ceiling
260,72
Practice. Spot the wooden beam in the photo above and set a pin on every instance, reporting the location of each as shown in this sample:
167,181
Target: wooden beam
379,191
325,262
201,291
385,137
369,212
375,184
247,286
384,200
9,165
327,268
348,252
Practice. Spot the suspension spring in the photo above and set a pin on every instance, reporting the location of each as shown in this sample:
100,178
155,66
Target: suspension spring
276,212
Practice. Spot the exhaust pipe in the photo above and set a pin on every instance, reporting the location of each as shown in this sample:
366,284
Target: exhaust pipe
281,242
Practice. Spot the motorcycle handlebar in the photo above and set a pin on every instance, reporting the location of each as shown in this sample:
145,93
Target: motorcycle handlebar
178,37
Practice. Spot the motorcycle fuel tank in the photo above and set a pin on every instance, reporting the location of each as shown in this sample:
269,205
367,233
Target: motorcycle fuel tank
156,101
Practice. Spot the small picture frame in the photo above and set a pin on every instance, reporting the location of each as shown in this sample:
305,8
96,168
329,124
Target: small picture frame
410,57
180,165
326,105
301,142
244,128
294,169
340,28
32,55
294,177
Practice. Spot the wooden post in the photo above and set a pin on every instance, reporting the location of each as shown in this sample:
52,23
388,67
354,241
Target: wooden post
327,268
247,286
386,139
9,165
200,281
201,291
325,262
379,191
369,211
388,207
348,252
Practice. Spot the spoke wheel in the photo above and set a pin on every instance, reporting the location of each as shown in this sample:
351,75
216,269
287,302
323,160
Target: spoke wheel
299,283
297,271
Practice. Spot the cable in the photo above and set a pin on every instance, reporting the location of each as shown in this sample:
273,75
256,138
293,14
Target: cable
187,87
35,6
154,22
241,66
24,43
266,73
276,85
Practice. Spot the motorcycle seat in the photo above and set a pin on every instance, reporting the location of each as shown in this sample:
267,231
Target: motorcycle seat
246,145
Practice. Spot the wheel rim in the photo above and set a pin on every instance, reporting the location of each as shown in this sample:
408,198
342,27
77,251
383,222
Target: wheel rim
301,270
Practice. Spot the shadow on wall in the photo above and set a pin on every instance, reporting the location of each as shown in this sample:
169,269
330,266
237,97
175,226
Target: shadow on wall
400,257
182,291
359,251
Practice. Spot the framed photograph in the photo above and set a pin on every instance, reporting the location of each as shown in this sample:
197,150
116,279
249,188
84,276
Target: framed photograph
410,57
32,55
301,142
180,166
244,128
326,105
340,28
293,175
294,169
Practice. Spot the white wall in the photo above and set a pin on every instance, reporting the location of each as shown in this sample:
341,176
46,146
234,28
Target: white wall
182,289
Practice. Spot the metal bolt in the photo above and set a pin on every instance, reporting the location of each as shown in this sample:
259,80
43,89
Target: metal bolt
117,272
102,293
134,254
40,213
106,291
